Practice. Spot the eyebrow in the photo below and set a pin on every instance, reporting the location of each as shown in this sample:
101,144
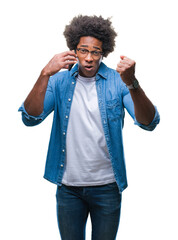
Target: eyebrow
93,47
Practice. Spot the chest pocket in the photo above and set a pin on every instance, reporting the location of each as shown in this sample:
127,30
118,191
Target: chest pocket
113,109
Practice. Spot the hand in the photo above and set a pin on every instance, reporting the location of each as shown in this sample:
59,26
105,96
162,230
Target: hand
59,61
126,69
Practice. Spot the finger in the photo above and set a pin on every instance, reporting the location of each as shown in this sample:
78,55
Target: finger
120,69
122,65
126,59
70,58
66,66
67,63
70,53
123,57
127,63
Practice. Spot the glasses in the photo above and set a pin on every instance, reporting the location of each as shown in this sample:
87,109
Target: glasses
85,52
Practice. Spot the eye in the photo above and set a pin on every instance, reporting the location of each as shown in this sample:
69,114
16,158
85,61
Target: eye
96,53
83,50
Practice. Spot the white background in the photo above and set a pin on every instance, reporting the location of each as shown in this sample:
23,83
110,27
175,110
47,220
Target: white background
31,33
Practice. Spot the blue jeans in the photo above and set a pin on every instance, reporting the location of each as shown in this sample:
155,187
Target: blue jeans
75,203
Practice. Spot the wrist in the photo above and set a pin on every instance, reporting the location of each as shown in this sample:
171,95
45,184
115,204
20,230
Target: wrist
133,85
45,73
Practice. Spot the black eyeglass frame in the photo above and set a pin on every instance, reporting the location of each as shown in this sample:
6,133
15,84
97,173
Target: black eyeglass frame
99,53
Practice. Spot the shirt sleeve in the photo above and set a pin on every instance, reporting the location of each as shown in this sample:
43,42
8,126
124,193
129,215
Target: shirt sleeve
49,103
129,105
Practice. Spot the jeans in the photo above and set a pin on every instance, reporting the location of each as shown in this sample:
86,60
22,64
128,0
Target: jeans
103,203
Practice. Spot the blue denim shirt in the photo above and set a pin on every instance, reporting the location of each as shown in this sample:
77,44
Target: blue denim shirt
113,98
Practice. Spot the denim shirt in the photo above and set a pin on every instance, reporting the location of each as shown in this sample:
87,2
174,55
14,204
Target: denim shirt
113,98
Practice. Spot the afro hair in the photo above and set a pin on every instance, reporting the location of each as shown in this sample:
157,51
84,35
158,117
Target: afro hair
93,26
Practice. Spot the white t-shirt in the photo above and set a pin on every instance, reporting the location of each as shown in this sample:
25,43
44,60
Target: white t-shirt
87,158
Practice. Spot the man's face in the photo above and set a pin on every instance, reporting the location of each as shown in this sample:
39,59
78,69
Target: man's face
89,61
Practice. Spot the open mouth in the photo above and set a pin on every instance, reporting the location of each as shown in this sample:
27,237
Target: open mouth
88,67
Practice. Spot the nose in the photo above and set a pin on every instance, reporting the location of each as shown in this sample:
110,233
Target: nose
89,57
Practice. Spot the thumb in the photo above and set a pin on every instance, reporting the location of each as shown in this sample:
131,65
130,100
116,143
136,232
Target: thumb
122,57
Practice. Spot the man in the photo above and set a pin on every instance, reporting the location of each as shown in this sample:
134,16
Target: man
85,156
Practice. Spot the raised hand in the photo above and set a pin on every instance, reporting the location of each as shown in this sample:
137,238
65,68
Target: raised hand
126,69
59,61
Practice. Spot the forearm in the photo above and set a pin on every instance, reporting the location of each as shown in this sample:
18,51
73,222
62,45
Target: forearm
144,109
35,100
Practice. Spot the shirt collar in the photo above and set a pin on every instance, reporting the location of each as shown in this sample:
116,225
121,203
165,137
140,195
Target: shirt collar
102,71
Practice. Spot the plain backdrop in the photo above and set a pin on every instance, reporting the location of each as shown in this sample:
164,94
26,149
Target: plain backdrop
31,33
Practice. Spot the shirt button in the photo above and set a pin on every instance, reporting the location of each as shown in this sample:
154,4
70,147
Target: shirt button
73,82
64,133
63,150
62,165
69,99
66,116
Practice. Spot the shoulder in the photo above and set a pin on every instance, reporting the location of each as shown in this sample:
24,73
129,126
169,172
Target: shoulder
114,81
108,72
111,75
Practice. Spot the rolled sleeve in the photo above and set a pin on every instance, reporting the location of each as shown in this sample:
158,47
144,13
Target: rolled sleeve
129,105
49,103
30,120
152,125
